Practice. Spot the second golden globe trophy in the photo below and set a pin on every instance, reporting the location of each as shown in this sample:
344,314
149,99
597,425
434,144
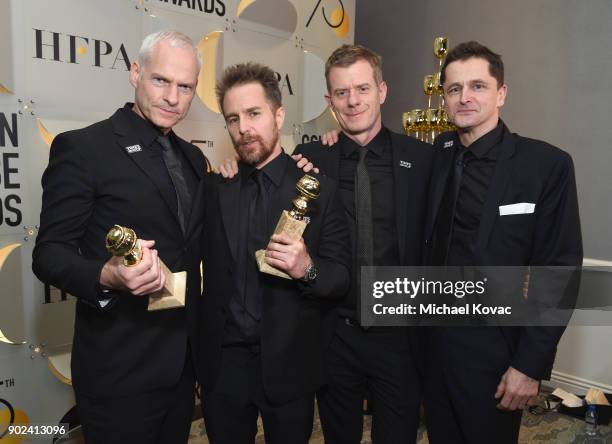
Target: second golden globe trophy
292,223
122,241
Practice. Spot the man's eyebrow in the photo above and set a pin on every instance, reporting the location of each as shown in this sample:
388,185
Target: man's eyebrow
159,76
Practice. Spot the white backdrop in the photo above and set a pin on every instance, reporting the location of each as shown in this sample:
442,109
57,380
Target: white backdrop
64,66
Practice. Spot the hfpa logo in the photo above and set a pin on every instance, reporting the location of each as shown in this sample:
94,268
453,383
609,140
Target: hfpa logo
76,49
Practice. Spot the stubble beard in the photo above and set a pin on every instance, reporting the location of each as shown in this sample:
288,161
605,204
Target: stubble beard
255,157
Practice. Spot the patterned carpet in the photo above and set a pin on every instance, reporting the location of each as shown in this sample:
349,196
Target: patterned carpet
550,428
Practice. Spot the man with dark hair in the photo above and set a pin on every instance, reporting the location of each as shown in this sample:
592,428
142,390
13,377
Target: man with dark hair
474,49
250,73
262,335
383,179
497,199
132,369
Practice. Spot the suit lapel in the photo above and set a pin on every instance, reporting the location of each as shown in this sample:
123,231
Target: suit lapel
197,209
192,157
142,158
499,182
401,190
147,164
229,198
441,171
197,163
284,196
333,159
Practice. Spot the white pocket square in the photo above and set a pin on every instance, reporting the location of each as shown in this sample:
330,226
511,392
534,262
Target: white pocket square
517,208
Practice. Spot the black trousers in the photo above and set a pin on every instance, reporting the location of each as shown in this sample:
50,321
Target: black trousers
231,409
160,417
464,367
378,361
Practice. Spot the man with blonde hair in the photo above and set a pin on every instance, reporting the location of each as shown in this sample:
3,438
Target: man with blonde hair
132,369
383,178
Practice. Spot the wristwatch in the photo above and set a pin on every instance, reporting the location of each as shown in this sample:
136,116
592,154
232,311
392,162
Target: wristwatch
310,273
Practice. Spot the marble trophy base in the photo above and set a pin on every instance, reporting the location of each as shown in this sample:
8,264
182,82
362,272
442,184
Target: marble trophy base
289,226
173,293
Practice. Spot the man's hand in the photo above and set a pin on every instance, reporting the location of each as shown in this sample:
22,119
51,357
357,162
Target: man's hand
141,279
290,256
304,164
517,389
229,167
330,137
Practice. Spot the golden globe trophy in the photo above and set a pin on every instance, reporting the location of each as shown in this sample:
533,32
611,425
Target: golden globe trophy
123,242
292,223
425,124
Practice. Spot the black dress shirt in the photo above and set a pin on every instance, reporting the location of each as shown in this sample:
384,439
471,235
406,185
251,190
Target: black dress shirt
242,326
479,160
379,163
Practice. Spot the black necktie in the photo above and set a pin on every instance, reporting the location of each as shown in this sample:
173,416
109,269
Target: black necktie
446,216
457,175
173,164
257,240
363,209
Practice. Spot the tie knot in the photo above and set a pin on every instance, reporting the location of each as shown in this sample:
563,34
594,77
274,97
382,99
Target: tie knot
258,177
362,153
164,141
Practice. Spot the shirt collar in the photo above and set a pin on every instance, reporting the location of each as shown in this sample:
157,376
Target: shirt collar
377,145
274,170
146,131
485,146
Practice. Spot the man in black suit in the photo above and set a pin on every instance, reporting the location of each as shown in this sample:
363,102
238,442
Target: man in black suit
383,179
132,369
263,335
498,199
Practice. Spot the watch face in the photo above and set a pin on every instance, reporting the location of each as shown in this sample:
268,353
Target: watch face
312,273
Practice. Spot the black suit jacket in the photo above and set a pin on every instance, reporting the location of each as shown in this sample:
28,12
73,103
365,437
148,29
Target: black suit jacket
90,184
412,163
412,166
530,171
295,316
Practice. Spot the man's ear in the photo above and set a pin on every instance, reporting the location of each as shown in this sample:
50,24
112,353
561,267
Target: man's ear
501,95
279,115
382,91
328,100
134,73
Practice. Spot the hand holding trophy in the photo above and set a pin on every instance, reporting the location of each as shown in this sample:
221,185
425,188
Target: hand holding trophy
123,242
292,223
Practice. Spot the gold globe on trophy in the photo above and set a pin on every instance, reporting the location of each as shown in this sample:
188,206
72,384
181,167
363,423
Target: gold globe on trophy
292,222
123,242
